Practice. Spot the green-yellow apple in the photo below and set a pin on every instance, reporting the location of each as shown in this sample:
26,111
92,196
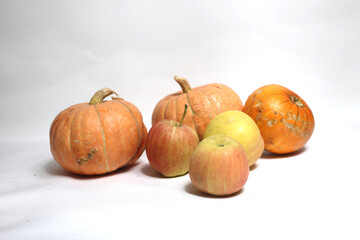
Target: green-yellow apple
242,128
219,166
169,146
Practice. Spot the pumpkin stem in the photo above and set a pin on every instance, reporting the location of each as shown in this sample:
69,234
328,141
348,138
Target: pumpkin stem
297,101
100,95
184,84
183,116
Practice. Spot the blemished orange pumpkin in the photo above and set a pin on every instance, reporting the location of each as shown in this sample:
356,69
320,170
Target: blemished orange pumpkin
205,102
98,137
285,121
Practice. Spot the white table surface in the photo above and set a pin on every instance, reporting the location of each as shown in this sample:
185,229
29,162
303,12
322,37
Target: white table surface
309,195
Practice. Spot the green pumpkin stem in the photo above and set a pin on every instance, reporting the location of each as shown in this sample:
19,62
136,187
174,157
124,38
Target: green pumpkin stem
184,84
100,95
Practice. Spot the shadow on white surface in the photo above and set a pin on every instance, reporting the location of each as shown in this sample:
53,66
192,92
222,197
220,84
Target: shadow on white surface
51,169
150,172
269,155
190,188
254,166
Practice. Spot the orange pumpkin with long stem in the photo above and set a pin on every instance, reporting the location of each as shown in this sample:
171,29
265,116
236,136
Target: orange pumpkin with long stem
285,121
205,102
98,137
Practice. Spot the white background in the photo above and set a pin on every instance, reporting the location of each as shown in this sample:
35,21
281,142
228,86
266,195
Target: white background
54,54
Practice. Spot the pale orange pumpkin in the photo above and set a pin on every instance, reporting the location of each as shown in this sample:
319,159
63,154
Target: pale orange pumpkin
98,137
205,102
285,121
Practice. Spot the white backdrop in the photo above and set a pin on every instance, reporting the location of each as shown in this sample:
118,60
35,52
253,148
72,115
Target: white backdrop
54,54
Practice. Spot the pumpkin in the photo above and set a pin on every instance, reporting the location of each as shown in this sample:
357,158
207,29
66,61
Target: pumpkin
98,137
205,102
285,121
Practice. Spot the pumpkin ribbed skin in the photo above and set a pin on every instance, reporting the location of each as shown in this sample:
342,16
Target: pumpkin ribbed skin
285,121
92,139
205,102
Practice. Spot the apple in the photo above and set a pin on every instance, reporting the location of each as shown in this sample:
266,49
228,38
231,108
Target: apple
242,128
169,146
219,166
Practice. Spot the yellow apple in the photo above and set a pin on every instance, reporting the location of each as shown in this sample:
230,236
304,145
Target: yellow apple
240,127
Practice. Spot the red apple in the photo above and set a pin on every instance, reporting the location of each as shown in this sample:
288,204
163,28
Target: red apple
219,166
169,146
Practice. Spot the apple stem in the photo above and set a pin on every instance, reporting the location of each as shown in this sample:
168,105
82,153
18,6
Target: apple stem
183,116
